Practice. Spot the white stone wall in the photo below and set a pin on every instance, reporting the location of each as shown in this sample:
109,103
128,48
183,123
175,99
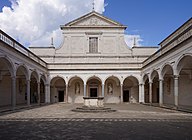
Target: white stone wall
185,90
114,97
5,91
20,93
74,97
168,92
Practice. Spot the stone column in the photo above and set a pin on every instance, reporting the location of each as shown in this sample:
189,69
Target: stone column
121,93
85,91
160,92
66,93
28,92
103,90
47,93
141,93
38,92
176,89
13,98
150,92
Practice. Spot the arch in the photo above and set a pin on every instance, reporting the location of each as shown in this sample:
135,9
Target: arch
184,70
146,88
94,77
73,78
182,62
112,89
168,84
24,69
115,78
35,74
94,86
43,77
145,77
55,78
6,72
22,75
34,81
131,89
133,78
58,89
166,68
154,74
155,86
42,90
75,89
9,64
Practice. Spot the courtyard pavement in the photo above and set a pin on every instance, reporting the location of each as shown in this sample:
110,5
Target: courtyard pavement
129,122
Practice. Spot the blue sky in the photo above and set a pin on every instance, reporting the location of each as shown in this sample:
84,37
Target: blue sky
153,20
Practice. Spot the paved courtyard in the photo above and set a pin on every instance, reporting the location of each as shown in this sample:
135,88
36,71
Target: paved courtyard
130,121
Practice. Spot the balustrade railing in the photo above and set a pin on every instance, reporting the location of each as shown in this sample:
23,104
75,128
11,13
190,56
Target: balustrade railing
13,43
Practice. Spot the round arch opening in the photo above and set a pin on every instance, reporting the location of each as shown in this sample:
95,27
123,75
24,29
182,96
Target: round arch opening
131,90
58,90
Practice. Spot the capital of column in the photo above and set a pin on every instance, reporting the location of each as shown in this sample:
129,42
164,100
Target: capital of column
141,84
13,77
47,84
176,77
160,80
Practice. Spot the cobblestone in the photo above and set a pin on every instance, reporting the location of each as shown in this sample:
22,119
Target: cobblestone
131,121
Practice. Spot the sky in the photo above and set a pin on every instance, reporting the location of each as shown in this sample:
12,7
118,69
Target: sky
35,22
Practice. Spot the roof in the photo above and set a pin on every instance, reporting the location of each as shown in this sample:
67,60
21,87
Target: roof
88,17
177,32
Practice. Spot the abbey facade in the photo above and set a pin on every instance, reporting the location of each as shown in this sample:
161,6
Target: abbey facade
94,61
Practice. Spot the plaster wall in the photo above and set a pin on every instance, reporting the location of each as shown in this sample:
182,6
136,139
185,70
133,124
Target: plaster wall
185,90
5,91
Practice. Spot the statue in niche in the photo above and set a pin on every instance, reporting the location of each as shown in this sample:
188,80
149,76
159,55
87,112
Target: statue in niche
110,89
77,88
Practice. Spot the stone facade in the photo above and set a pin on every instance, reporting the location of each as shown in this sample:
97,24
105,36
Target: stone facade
94,61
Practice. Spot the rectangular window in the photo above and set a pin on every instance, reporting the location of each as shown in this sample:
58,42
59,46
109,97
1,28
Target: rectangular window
93,45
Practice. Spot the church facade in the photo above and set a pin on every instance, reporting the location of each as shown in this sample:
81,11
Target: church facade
94,61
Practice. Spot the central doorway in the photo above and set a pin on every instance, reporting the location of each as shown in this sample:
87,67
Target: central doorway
126,96
93,92
61,96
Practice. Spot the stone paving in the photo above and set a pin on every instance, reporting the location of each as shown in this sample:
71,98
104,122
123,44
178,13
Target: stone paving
130,121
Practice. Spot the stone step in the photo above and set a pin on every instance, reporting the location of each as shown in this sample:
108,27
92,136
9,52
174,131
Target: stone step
93,109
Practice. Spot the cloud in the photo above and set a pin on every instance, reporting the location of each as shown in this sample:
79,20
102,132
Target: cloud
34,22
129,39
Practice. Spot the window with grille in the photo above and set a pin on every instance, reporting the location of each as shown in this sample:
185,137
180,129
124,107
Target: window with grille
93,45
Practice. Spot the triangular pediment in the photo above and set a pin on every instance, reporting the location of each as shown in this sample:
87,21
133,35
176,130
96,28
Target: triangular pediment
93,19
